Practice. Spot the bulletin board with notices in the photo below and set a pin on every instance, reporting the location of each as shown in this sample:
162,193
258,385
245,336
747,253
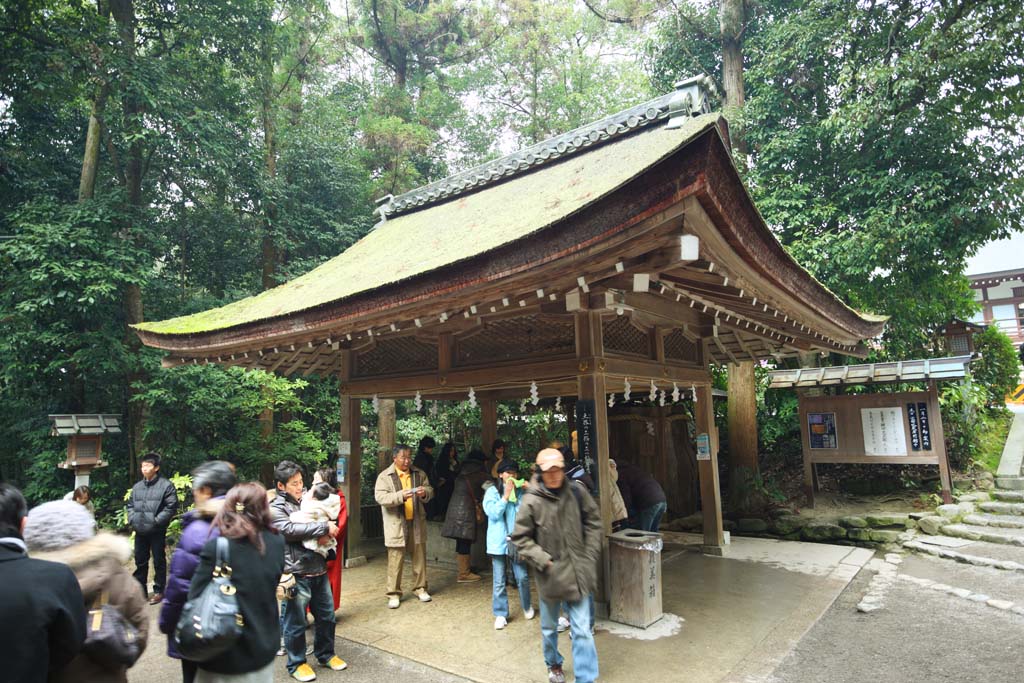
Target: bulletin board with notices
882,428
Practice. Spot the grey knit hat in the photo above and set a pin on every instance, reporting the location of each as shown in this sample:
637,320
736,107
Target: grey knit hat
58,525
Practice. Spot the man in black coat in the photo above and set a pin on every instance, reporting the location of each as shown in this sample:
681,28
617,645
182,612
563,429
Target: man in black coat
43,625
150,508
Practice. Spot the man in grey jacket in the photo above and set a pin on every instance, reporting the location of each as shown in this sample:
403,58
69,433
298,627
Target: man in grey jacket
558,531
150,508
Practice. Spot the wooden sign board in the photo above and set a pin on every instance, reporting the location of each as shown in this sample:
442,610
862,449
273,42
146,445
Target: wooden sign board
586,438
902,428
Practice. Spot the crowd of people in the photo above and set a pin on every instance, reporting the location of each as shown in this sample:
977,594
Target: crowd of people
88,619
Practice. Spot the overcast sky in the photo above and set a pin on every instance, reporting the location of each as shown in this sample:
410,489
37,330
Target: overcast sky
1000,255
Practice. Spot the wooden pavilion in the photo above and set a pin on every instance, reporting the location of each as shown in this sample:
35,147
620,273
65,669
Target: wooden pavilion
627,250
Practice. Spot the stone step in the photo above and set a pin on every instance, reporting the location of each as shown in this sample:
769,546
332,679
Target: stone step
1010,483
1009,496
1004,521
980,554
1002,508
974,532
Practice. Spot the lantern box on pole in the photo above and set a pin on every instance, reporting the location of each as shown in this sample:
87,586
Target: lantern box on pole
85,441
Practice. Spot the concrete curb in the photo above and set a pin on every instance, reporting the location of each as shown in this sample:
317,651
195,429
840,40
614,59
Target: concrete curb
1010,464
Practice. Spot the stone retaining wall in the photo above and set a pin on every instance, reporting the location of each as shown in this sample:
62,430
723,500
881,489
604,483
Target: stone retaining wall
869,530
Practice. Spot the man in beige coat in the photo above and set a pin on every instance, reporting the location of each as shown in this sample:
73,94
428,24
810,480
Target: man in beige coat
401,491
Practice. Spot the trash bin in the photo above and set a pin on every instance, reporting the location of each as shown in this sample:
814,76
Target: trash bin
635,566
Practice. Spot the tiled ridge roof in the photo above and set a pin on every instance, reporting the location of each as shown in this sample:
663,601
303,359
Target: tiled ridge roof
689,99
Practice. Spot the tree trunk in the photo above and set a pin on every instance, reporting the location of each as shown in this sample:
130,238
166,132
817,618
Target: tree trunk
270,253
123,12
732,21
93,137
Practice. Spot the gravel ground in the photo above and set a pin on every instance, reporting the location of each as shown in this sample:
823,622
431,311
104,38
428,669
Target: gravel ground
920,636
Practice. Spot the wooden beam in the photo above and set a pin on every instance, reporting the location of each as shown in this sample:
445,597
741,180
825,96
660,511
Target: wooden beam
710,493
492,376
624,367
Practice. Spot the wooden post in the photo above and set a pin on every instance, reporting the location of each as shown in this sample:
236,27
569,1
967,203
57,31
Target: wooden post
742,417
592,387
939,442
488,423
386,427
710,495
350,433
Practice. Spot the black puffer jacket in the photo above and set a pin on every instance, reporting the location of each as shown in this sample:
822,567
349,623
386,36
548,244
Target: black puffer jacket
297,558
152,505
460,522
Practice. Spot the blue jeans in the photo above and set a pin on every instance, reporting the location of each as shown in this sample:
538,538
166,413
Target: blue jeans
649,519
499,594
314,591
589,599
584,654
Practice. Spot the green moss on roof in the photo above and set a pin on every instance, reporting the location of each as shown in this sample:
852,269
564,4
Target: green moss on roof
463,227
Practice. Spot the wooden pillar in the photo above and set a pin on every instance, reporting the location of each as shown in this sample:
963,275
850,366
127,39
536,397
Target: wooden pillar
939,441
350,434
710,495
488,423
592,387
386,427
742,412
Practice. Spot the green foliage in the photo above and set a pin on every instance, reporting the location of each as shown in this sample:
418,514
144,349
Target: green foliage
963,417
998,369
206,412
882,152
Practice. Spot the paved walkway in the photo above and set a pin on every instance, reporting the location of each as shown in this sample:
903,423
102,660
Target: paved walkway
727,619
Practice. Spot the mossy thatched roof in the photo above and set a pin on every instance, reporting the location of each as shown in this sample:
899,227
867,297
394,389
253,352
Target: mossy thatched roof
457,229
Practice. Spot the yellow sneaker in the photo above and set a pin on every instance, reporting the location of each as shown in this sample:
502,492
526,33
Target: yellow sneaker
336,663
304,672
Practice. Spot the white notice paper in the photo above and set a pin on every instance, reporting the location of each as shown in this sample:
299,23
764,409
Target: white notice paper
883,431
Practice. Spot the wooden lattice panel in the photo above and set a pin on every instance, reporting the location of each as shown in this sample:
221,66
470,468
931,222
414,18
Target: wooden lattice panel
391,356
678,347
527,336
622,336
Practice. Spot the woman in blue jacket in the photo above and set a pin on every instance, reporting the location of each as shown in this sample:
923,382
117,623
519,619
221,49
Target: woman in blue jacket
500,508
210,482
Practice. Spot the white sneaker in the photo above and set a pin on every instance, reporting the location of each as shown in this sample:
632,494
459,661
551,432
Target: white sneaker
500,623
424,596
563,624
529,614
394,602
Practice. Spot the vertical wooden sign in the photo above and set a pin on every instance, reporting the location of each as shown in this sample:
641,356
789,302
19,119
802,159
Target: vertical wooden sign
586,439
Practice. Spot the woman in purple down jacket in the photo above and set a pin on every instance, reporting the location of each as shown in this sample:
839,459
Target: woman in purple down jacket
210,482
